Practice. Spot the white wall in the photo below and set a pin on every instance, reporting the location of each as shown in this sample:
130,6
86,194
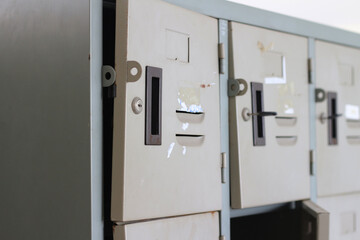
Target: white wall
342,14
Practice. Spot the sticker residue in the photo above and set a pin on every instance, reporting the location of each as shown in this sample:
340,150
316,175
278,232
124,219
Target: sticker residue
189,100
285,103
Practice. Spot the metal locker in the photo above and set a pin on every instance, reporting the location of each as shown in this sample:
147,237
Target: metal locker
338,118
166,153
344,216
269,117
193,227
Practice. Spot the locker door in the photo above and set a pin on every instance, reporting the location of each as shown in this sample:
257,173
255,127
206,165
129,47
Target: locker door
193,227
269,119
166,152
344,216
315,222
338,119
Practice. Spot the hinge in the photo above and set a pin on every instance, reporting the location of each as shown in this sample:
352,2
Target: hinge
221,54
311,162
237,87
222,237
320,95
223,167
310,70
109,92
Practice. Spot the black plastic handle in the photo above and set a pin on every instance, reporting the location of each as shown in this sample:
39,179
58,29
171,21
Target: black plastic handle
334,116
263,114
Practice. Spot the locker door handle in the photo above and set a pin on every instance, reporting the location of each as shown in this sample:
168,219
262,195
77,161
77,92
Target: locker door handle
323,118
258,114
332,118
263,114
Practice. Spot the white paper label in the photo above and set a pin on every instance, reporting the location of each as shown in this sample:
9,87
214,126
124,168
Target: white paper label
352,112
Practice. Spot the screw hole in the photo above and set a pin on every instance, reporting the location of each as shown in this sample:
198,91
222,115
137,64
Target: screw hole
107,76
133,71
242,87
233,87
320,95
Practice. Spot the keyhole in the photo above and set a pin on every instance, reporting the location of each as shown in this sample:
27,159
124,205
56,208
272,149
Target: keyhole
107,76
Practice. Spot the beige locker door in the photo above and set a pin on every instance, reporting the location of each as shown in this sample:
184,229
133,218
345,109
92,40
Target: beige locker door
344,216
166,157
337,73
192,227
315,222
269,155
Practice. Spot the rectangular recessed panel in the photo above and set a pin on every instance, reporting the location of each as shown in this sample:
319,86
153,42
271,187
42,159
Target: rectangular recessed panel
275,68
348,222
177,46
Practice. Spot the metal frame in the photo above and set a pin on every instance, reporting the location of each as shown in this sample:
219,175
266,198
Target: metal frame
228,11
231,11
51,120
96,120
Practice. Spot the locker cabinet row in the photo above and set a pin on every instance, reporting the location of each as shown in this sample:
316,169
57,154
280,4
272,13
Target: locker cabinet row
166,159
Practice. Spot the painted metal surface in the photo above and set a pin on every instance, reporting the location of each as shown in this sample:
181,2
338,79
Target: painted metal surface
182,174
50,120
338,164
344,216
264,169
96,120
193,227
